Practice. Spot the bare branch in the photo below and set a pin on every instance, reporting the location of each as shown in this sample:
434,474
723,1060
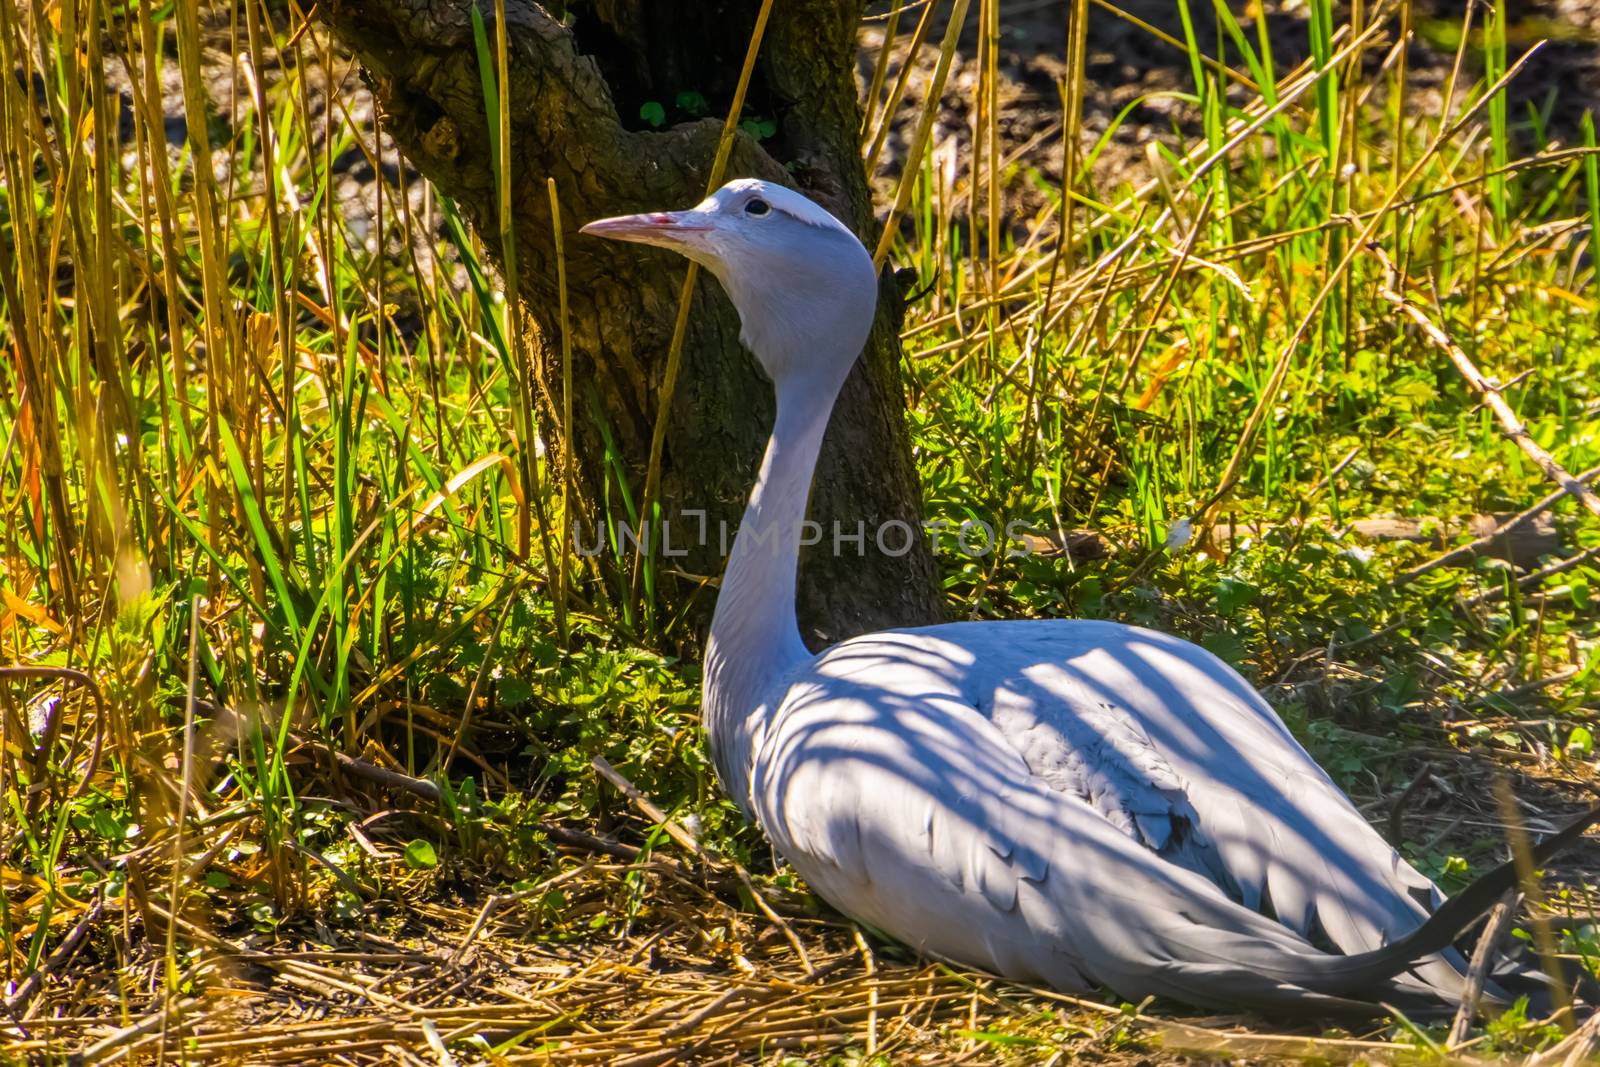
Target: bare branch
1485,545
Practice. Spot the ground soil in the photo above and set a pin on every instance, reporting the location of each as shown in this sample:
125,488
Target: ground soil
1125,62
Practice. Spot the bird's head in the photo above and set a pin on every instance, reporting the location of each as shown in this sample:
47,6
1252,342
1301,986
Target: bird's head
804,286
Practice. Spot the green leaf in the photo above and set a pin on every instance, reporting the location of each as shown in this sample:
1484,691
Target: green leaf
1233,594
266,552
760,129
1004,1040
1580,742
218,880
1412,395
421,856
108,825
653,113
513,691
692,102
1225,646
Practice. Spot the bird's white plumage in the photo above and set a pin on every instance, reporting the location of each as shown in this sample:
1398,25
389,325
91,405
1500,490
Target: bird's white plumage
1074,802
732,195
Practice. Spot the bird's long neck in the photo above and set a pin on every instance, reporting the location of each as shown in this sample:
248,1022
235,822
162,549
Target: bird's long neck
755,638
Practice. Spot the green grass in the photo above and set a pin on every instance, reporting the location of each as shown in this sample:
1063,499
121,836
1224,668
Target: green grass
326,512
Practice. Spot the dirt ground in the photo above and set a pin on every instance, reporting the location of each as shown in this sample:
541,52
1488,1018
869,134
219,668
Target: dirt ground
1125,62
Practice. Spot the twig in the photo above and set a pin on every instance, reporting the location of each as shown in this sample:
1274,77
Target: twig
112,1045
500,900
17,1002
763,1001
871,964
82,678
690,842
1566,674
365,769
1577,1048
919,138
1475,547
1186,1037
1512,384
1397,814
1528,876
652,812
1486,390
735,995
430,1033
1528,581
1478,970
1338,469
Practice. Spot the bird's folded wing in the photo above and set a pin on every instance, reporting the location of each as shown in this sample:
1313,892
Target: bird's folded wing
1170,744
906,807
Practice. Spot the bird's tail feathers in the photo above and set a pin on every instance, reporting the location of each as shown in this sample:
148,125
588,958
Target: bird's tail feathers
1344,975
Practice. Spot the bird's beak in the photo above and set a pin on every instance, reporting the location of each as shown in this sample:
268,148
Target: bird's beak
669,229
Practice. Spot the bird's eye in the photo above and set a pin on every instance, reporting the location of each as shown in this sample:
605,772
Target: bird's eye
757,207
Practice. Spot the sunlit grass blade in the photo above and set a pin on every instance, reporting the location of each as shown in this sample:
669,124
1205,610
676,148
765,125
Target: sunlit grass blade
1591,185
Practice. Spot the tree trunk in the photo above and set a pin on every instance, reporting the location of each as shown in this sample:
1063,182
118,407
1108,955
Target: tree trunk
576,89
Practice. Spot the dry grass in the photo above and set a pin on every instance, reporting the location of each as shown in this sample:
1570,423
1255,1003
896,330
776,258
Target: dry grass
439,971
700,980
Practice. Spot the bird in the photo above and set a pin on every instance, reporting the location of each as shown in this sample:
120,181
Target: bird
1070,802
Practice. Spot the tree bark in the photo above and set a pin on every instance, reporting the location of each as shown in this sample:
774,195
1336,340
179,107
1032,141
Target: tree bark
576,87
